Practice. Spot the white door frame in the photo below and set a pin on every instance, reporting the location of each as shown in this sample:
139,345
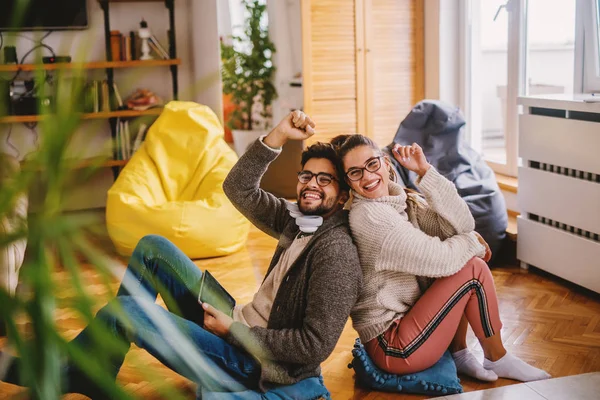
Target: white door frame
516,65
587,47
517,62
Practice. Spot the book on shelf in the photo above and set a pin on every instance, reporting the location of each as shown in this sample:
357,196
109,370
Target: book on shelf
115,45
125,144
139,137
156,50
133,42
117,141
128,48
122,148
96,95
91,98
105,96
128,143
125,48
118,97
160,50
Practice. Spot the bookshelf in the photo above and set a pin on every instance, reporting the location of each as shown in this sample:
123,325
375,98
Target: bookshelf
13,119
133,1
109,65
172,55
89,65
93,161
85,163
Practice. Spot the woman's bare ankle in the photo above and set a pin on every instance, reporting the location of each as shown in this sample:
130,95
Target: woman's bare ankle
494,354
455,347
493,349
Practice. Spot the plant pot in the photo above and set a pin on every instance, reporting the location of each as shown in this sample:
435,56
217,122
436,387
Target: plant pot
228,108
243,139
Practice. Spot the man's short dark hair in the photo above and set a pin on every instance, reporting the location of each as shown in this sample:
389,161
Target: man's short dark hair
328,152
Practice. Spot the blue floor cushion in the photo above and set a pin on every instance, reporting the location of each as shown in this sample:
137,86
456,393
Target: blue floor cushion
438,380
307,389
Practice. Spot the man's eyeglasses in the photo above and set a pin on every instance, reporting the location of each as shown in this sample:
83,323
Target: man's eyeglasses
372,164
323,178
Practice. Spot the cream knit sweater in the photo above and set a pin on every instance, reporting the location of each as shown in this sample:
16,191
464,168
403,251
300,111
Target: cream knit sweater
398,241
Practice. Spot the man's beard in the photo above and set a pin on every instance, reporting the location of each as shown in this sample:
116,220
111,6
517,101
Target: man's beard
327,204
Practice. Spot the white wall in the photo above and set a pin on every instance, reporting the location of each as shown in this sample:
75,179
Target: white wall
285,30
199,78
201,37
442,45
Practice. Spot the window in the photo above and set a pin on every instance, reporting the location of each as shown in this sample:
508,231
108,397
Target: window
550,51
589,45
513,48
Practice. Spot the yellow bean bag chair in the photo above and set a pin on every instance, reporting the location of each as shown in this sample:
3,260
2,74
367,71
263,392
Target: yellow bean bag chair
173,187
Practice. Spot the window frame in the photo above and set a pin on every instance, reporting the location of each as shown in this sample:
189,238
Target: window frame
517,48
587,51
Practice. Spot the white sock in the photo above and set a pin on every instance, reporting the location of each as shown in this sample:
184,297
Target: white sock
467,364
512,367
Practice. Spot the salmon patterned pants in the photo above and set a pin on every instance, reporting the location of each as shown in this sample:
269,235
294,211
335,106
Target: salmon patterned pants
418,340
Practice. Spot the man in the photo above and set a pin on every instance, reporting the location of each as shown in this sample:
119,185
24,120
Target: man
294,320
313,280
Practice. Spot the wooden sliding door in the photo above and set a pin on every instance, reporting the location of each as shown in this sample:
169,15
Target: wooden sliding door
362,64
331,65
394,64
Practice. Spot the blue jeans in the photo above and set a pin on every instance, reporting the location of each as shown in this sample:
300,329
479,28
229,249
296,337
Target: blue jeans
307,389
175,337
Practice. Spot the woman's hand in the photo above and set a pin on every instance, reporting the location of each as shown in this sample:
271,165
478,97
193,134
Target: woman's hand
296,126
216,321
488,252
411,158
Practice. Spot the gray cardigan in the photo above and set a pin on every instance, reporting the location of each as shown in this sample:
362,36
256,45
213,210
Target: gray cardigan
315,298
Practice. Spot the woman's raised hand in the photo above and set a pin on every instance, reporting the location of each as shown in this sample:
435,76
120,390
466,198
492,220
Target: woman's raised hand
411,158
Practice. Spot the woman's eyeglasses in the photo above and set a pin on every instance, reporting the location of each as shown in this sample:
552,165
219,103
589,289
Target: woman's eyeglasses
323,178
372,164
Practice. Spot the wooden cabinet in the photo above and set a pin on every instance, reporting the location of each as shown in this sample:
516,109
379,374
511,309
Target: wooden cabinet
362,65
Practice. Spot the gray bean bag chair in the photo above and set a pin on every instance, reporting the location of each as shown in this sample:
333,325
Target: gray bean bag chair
438,128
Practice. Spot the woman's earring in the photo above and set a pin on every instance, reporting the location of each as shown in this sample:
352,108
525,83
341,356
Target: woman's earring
393,176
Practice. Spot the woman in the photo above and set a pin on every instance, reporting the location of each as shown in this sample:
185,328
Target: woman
402,238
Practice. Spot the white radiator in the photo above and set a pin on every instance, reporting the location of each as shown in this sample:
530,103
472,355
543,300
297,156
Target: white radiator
559,188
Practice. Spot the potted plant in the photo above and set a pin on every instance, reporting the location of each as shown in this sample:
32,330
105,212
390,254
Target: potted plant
247,73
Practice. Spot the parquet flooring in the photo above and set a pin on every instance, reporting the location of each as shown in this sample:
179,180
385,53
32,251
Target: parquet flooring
547,322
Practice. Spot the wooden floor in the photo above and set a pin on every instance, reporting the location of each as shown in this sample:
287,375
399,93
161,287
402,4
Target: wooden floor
547,322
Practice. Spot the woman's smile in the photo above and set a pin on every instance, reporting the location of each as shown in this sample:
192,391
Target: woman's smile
373,185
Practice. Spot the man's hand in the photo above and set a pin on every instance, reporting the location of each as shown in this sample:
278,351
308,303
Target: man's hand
488,251
296,126
411,158
216,321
